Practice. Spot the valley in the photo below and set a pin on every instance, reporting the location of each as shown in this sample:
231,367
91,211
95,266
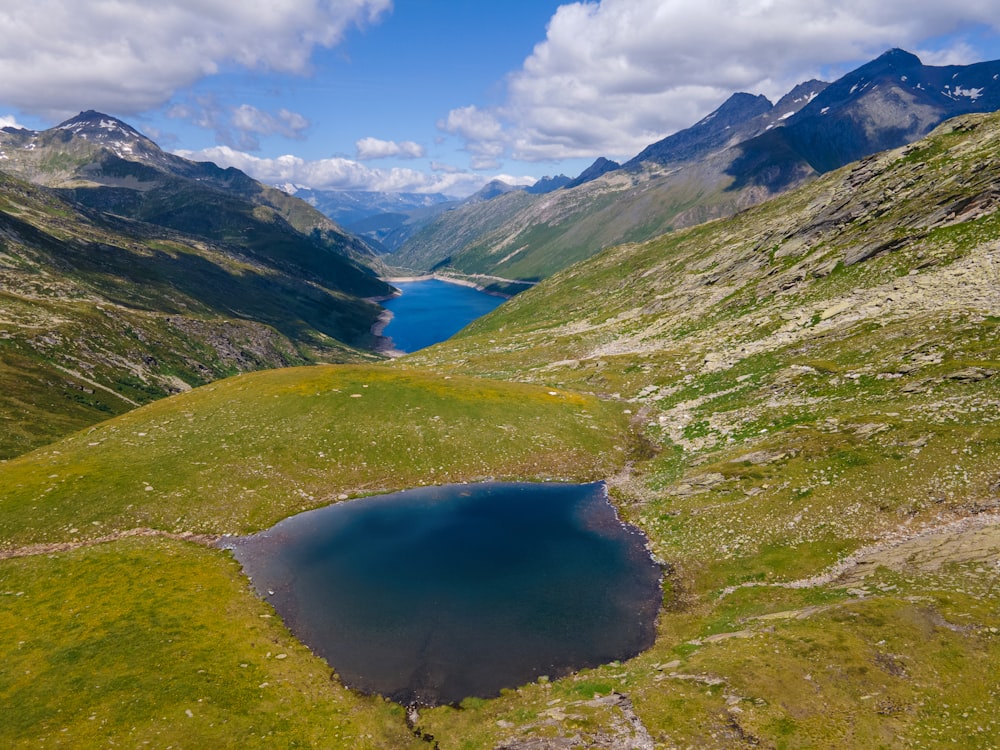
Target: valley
796,401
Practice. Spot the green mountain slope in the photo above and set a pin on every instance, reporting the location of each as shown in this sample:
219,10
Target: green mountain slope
240,454
799,405
530,237
99,314
821,377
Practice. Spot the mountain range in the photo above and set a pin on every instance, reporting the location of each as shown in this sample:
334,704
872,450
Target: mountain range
129,273
745,152
796,405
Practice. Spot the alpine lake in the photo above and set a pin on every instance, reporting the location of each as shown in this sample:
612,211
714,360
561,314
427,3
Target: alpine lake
433,595
431,310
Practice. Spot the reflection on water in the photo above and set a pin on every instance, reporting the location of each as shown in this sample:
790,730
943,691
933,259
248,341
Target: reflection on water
432,595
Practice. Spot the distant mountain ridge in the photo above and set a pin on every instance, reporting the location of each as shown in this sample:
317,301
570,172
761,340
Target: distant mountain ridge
891,101
101,162
744,152
740,117
347,207
386,220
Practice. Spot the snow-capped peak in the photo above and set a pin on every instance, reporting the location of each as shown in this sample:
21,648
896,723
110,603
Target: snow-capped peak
99,127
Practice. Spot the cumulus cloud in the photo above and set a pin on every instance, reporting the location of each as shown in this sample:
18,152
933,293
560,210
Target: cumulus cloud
9,121
482,132
240,126
249,119
615,75
60,56
251,122
373,148
344,174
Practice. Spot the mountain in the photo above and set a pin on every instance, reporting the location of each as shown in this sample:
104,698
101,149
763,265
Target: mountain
548,184
739,155
797,405
349,207
383,220
489,191
103,163
889,102
601,166
386,220
136,279
740,118
676,181
725,126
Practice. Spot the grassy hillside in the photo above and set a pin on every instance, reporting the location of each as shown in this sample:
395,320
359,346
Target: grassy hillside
99,314
820,377
799,405
530,237
158,643
121,640
240,454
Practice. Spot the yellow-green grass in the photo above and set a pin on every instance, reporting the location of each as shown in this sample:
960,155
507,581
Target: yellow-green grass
240,454
149,642
901,661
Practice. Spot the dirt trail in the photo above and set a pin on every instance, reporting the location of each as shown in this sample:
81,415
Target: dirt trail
52,547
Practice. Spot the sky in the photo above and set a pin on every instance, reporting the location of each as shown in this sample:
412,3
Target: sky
441,95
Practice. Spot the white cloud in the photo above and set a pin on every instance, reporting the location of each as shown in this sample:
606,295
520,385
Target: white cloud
373,148
482,132
472,123
240,126
9,121
616,75
959,54
345,174
123,56
249,119
251,122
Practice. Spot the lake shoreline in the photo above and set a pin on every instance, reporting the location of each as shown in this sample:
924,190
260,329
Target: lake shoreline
459,282
384,344
448,601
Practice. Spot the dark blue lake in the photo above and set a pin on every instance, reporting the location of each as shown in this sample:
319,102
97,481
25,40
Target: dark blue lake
431,311
436,594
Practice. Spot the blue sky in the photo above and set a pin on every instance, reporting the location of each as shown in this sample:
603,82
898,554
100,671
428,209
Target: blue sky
440,95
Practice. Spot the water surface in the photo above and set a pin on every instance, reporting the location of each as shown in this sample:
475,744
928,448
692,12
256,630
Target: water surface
436,594
431,311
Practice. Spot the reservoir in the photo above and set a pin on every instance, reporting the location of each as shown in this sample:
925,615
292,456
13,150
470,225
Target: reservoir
431,311
436,594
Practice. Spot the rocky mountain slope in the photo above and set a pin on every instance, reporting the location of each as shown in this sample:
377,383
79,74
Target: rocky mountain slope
889,102
104,163
743,153
100,313
816,380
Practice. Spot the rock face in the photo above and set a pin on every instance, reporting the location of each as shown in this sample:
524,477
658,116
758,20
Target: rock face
600,167
740,117
889,102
